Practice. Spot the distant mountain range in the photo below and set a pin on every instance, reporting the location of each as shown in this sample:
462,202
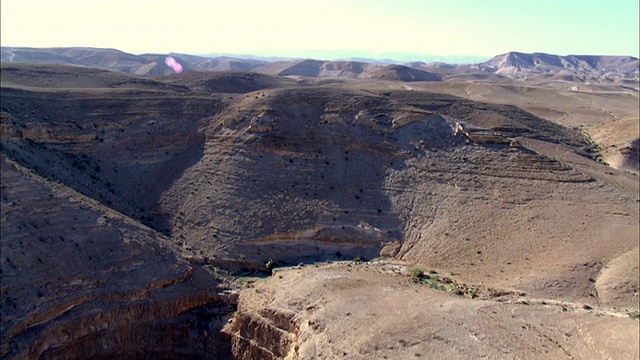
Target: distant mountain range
116,60
379,58
512,65
515,63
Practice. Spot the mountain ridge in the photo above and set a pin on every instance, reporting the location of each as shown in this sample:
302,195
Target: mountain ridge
514,65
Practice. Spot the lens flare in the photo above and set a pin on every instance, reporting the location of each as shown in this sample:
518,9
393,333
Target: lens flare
173,64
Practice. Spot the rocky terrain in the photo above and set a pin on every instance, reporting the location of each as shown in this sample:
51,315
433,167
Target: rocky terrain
607,114
135,208
365,311
82,281
515,63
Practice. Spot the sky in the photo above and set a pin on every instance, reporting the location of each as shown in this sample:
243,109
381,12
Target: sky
339,27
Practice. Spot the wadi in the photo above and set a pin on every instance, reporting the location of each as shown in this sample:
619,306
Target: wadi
311,209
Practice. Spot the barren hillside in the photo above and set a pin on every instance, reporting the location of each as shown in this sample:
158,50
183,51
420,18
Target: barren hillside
80,280
116,60
515,63
234,171
607,115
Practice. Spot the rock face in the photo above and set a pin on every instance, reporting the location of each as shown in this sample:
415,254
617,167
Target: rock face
82,281
359,176
107,188
366,311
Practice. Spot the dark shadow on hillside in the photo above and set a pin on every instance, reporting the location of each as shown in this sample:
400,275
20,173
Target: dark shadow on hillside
122,151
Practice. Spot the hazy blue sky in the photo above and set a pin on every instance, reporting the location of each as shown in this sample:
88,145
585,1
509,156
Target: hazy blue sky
442,27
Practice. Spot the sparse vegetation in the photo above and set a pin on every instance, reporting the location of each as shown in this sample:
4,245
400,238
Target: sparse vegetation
434,281
595,149
270,264
416,273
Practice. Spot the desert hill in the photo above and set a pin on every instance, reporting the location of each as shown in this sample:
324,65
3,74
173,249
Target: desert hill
536,67
227,82
545,69
219,63
346,69
403,73
57,77
605,113
116,60
515,63
177,179
110,59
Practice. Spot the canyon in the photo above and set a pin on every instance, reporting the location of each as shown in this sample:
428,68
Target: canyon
259,215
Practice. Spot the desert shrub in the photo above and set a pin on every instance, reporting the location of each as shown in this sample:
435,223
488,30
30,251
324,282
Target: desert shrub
416,273
270,264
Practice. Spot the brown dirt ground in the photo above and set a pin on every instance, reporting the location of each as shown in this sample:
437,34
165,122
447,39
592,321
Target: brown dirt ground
364,311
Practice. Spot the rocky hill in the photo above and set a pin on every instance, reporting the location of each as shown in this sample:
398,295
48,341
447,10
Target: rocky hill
521,64
513,65
156,186
116,60
346,69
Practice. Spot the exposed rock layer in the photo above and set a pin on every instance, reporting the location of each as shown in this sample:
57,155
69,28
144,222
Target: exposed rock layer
365,311
79,280
290,172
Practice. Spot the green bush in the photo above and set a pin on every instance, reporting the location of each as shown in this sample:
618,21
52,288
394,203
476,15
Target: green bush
417,273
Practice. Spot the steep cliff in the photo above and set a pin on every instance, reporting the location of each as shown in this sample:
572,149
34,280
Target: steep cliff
80,280
375,311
